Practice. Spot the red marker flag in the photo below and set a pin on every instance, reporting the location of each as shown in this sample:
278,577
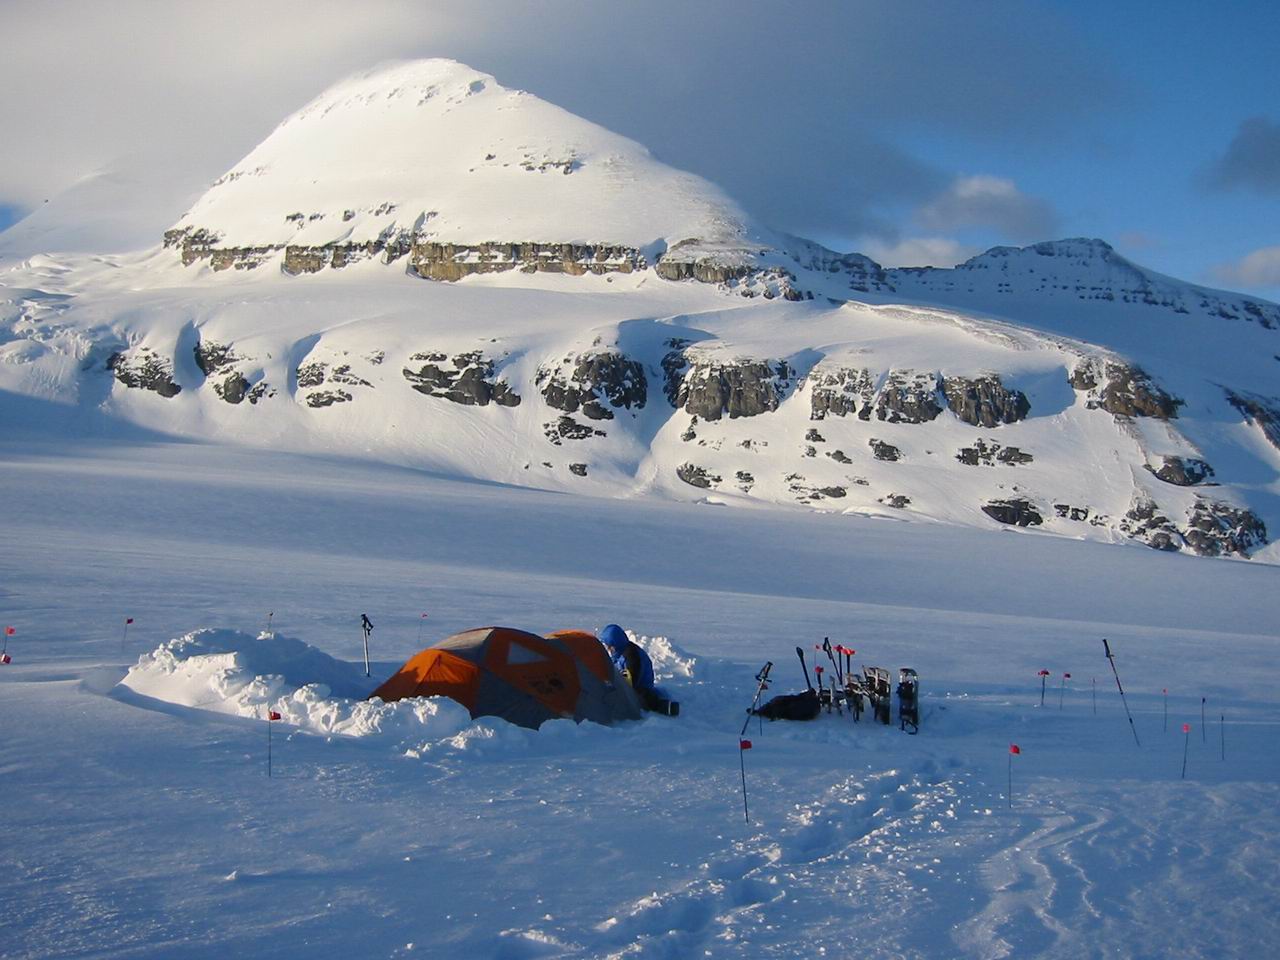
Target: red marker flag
5,658
1015,749
9,631
744,744
1186,728
129,620
1066,676
1043,673
272,715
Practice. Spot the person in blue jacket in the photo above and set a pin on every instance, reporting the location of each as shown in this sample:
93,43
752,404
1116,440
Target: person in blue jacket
634,664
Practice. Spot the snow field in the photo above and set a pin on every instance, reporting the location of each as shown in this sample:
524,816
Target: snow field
479,839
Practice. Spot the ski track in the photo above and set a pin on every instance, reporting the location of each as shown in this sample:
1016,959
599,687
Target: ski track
861,841
1064,878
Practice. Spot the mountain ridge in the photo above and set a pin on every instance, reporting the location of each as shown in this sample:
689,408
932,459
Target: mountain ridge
637,333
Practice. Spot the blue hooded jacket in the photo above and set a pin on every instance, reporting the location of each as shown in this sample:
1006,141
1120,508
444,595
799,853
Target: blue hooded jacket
627,656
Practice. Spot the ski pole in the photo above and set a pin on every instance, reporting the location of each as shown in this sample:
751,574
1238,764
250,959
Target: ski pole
1094,683
1222,733
366,626
800,654
1165,691
1112,660
1186,739
1204,737
826,646
762,684
1044,677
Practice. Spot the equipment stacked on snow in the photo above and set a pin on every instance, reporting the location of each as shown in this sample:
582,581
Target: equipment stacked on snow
792,706
841,689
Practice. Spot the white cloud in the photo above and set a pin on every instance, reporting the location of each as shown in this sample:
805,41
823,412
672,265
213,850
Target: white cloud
918,252
987,202
1258,269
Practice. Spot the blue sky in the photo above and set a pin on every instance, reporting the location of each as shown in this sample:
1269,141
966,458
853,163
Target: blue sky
915,132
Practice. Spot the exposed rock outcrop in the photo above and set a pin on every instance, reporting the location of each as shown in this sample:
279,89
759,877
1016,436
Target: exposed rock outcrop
1123,390
324,382
592,380
987,453
985,401
217,362
452,261
1145,522
908,397
674,366
233,388
696,476
713,388
840,392
1182,471
197,243
746,271
1262,412
567,428
212,356
144,369
884,451
427,258
466,378
1067,512
1016,512
260,390
1220,529
326,398
898,501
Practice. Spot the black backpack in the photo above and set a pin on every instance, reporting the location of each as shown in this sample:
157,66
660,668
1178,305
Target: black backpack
792,706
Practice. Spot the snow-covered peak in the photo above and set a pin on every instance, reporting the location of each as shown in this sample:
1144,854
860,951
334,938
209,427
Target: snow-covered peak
436,150
1079,249
1073,271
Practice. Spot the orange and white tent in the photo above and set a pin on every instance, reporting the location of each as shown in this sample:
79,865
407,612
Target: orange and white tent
519,676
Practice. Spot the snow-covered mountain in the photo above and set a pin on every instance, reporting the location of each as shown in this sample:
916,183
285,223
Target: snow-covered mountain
426,268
